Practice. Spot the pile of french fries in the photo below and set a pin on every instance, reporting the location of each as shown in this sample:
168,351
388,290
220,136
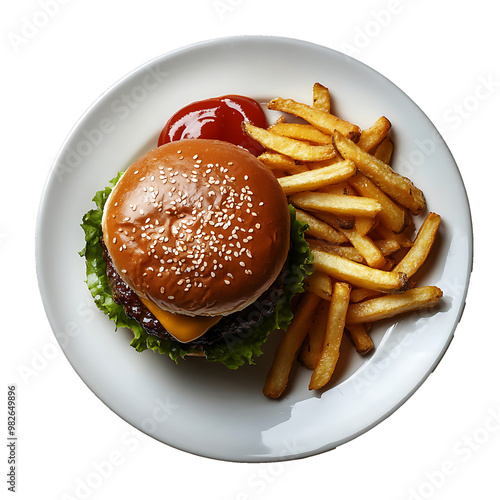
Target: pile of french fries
360,217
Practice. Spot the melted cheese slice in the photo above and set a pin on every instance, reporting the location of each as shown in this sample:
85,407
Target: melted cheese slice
183,328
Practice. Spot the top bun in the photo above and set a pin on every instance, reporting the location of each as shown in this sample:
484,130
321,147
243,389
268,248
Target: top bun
200,227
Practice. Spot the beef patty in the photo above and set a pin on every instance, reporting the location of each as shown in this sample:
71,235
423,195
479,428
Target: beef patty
238,325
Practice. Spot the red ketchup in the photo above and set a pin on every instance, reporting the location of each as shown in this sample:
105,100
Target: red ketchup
216,118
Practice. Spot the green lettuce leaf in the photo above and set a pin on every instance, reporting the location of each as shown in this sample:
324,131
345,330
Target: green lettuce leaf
232,352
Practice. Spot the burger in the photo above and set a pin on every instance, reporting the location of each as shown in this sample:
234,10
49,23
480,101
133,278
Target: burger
195,249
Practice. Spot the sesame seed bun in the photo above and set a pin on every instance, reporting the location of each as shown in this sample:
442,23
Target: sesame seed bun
200,227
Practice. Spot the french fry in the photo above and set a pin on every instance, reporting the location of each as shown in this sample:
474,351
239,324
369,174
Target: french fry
342,222
391,215
400,238
301,132
348,252
278,161
319,229
387,247
297,150
389,266
364,225
320,284
371,254
360,294
312,165
396,186
326,122
315,179
421,247
340,188
384,150
360,338
321,98
391,305
343,205
299,168
370,138
333,336
358,274
313,344
277,378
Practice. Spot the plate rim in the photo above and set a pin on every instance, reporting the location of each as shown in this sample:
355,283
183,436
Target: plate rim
43,206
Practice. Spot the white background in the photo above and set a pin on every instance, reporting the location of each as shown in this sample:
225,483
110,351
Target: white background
59,56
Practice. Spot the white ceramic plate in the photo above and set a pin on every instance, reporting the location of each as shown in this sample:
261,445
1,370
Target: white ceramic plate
204,408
